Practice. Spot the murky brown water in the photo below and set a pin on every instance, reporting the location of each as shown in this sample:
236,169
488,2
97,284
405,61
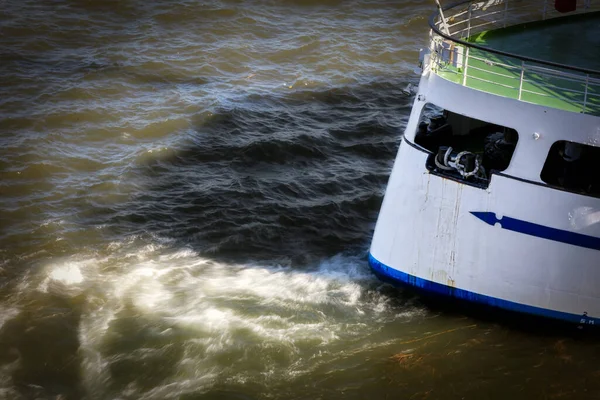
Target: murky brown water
187,194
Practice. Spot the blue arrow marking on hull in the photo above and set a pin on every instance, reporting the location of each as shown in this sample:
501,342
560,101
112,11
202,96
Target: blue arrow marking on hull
541,231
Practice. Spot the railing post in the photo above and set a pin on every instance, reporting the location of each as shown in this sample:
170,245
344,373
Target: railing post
505,13
469,21
585,92
434,48
442,17
465,66
545,9
521,80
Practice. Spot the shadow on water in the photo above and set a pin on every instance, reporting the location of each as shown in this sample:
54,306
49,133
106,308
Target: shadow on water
297,177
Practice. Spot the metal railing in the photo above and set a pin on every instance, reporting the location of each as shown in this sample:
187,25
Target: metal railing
455,56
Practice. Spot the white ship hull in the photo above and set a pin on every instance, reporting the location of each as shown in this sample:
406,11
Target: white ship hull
517,244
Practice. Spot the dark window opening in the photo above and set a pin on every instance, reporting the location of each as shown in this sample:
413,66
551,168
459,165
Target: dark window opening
573,166
464,148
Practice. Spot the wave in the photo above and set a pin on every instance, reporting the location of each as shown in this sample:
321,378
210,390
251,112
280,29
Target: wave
157,322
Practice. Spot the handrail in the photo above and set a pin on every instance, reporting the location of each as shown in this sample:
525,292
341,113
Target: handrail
452,57
433,26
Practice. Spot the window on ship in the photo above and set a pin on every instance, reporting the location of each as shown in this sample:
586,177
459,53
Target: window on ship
464,148
574,167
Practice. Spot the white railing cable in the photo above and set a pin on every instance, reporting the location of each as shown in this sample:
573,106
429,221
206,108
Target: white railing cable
487,71
492,82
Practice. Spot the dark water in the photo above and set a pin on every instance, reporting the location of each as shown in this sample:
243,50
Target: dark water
187,195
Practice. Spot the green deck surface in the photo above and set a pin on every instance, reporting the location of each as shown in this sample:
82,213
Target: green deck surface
572,41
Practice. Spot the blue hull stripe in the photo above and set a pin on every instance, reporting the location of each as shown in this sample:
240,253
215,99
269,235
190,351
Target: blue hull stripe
403,278
541,231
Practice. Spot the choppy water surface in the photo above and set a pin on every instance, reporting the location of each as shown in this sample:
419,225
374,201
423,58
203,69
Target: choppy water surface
187,194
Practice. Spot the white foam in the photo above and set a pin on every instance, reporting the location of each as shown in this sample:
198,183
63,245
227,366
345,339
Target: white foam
218,310
68,274
49,222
